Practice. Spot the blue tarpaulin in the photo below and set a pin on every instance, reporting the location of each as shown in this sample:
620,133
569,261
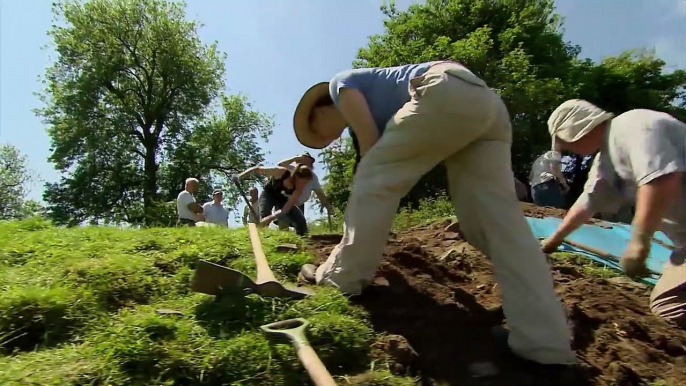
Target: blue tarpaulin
612,241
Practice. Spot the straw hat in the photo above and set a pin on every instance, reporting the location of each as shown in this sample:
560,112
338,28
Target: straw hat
301,119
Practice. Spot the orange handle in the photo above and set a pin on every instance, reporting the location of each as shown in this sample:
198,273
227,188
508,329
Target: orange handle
264,273
314,366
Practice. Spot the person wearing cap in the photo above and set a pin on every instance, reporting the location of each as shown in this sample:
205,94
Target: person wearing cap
313,186
642,157
281,192
404,121
548,184
214,211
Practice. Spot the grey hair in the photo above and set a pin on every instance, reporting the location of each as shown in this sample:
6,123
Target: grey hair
191,179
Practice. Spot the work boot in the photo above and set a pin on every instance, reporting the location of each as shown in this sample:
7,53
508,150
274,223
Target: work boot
307,274
558,374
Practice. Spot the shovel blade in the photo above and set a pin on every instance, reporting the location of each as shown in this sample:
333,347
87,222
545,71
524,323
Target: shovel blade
214,279
273,289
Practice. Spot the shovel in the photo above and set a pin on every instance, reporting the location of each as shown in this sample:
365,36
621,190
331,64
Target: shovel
294,330
214,279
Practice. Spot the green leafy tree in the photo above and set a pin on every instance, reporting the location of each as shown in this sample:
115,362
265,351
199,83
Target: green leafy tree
517,47
131,84
15,181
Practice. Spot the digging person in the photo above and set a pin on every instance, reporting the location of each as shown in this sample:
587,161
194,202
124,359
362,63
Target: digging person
312,186
282,192
642,157
404,121
548,184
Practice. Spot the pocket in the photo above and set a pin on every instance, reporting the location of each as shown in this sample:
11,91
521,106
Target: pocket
465,75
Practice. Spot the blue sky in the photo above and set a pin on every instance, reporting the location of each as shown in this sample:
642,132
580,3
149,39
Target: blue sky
278,48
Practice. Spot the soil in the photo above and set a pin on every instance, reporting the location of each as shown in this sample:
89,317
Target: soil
436,316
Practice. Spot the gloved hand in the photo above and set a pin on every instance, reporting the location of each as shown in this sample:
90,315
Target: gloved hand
633,261
551,244
236,178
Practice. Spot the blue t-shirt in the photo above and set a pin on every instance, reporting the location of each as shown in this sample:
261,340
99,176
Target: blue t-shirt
386,90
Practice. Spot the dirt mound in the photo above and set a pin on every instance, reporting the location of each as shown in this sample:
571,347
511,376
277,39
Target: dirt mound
440,306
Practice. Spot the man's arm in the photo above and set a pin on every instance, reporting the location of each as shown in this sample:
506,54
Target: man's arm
355,110
274,172
288,161
245,215
195,207
652,200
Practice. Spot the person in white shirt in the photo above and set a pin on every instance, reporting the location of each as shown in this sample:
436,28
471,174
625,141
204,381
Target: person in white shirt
313,186
214,211
641,158
249,215
548,184
188,210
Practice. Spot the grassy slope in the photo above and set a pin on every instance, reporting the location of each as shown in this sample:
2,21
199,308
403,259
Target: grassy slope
78,307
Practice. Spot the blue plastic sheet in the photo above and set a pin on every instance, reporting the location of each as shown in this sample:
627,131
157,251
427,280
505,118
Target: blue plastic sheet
612,241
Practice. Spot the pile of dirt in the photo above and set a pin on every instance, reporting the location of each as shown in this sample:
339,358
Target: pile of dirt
439,308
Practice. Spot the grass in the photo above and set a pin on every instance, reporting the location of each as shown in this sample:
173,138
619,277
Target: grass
79,306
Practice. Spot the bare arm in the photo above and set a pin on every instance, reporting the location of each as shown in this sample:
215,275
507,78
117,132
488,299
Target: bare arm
195,207
652,199
355,110
576,217
274,172
288,161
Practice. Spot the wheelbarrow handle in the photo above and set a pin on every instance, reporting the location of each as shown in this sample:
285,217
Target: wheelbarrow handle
264,273
314,366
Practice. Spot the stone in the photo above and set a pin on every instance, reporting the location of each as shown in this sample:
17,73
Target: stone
287,248
451,236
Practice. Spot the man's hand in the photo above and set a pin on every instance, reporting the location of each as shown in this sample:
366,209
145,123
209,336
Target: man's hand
565,187
200,217
635,255
551,244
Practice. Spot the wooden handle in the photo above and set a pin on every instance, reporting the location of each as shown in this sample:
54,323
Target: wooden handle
314,366
264,273
596,251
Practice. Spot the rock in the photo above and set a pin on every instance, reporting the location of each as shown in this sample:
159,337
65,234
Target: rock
453,227
448,255
400,349
287,248
481,286
451,236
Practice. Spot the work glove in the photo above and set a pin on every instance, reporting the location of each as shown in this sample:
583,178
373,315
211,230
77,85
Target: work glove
633,261
550,245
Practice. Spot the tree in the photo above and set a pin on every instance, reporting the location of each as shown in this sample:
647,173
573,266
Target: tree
15,180
129,105
517,47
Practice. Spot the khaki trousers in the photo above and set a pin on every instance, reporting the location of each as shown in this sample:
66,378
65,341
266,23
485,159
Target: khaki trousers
668,298
454,117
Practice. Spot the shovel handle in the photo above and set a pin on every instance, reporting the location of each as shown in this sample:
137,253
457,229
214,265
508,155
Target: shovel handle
314,366
264,273
596,251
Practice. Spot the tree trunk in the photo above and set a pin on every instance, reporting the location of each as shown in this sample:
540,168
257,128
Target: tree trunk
150,186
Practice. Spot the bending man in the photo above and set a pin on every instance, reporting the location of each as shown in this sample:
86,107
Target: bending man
312,186
282,192
642,157
404,121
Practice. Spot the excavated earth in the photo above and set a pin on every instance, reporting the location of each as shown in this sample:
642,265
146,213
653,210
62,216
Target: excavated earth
436,315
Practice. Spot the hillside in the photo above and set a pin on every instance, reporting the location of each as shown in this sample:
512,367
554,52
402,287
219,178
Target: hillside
81,306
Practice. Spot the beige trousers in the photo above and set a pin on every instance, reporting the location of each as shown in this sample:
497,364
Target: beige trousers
668,298
454,117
